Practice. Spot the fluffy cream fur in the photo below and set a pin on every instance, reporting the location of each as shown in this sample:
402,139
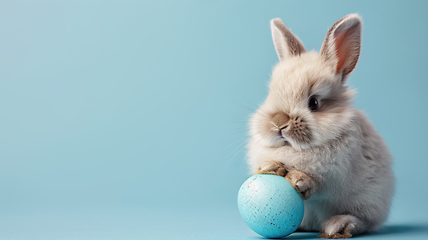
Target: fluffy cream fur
336,146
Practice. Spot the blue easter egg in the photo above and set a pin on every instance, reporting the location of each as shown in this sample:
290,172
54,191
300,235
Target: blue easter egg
270,205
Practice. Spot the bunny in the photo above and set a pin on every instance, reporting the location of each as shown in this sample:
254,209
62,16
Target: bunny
308,131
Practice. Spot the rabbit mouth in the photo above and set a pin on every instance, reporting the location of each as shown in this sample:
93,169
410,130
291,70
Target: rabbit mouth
285,140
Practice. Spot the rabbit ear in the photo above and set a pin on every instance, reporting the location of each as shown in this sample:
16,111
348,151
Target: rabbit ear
342,44
286,44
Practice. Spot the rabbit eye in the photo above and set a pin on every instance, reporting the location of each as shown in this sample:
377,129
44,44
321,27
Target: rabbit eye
313,103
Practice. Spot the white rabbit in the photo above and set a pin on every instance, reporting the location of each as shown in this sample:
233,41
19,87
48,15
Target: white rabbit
308,131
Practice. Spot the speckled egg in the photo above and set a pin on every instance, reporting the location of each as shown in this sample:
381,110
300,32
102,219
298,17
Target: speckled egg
270,205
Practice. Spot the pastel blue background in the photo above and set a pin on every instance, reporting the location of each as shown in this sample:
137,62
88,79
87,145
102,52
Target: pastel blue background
128,119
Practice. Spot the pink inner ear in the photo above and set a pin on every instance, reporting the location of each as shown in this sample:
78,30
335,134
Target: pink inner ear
342,49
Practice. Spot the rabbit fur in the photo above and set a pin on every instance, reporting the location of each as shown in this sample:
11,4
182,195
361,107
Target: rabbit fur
332,155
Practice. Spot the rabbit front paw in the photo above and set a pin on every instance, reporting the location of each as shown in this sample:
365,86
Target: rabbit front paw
303,184
272,167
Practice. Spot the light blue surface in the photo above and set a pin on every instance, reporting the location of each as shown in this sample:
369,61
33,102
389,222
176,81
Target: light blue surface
128,119
270,205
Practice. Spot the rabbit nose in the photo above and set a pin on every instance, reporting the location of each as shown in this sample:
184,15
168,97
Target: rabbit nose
280,120
283,128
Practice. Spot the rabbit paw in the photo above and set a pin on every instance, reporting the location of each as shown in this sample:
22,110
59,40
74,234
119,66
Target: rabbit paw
272,167
335,235
304,184
340,226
